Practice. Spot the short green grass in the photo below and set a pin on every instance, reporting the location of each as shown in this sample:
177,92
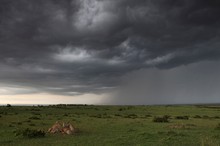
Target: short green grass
113,125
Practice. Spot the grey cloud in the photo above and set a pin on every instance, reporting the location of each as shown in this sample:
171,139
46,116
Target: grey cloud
53,45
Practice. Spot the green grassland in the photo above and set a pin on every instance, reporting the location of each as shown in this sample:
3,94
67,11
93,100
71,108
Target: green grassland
114,125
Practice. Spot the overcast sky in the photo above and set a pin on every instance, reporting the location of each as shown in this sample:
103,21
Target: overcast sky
110,51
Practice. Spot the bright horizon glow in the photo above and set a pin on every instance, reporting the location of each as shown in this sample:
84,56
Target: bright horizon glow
44,98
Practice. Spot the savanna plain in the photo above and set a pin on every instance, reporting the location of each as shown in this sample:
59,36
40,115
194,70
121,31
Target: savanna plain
167,125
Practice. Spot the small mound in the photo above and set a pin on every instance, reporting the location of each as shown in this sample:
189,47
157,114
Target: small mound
65,128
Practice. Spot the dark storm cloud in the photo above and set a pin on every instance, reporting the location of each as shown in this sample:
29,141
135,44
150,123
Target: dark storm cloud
84,46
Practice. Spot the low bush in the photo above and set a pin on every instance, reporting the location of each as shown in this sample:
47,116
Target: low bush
32,124
197,116
65,115
148,116
30,133
163,119
19,123
182,117
121,109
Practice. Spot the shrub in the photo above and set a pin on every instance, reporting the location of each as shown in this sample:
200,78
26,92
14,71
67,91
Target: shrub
121,109
96,109
29,133
182,117
163,119
19,123
197,117
65,115
118,115
148,116
167,116
32,124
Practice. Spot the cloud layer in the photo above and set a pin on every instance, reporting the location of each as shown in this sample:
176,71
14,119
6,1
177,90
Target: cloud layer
74,47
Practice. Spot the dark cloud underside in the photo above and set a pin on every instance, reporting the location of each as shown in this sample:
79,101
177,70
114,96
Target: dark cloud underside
73,47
